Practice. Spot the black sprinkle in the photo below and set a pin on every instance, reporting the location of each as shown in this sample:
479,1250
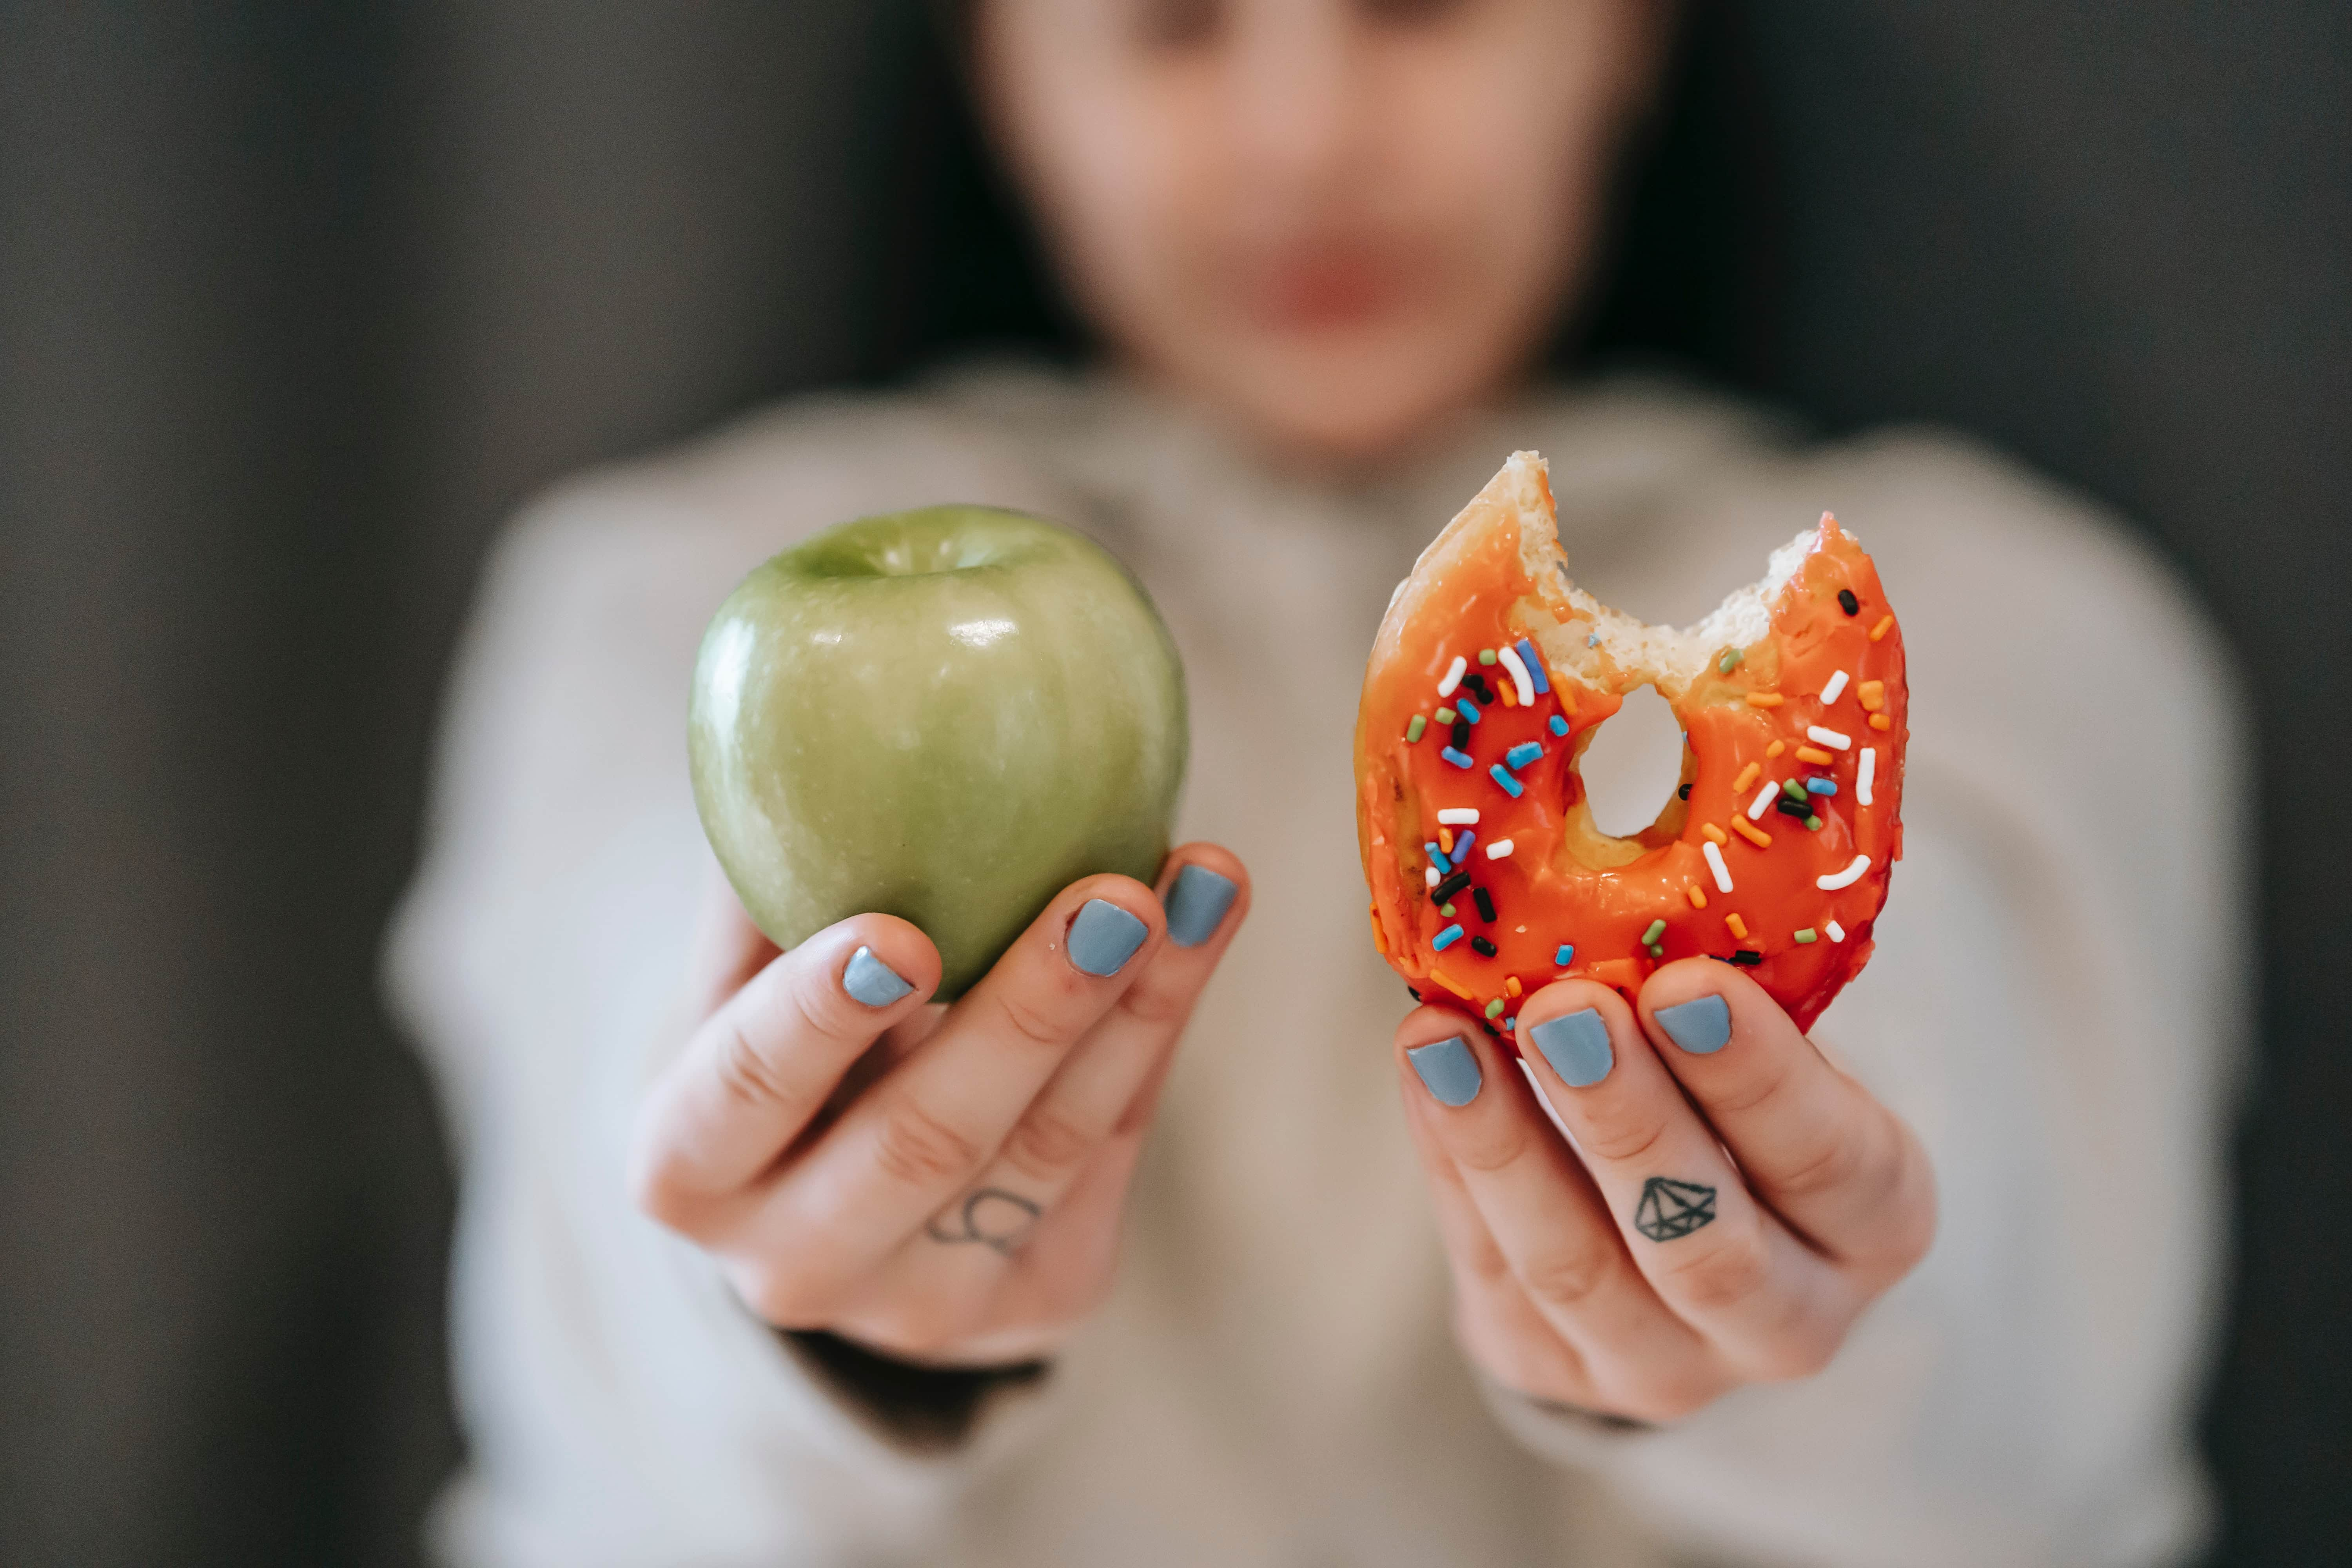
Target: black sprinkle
1796,809
1490,1028
1486,904
1461,734
1747,956
1683,794
1718,958
1481,947
1848,603
1412,993
1477,683
1448,888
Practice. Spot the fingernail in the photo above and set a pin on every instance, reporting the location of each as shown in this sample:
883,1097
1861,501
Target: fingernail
1577,1046
1448,1069
1196,903
869,980
1701,1025
1104,937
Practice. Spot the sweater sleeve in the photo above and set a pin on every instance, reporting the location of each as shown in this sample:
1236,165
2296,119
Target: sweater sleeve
2056,1007
623,1408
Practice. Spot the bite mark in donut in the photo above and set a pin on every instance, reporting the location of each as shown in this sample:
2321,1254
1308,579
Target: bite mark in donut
1491,674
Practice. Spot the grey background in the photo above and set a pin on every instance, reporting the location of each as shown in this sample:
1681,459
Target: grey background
296,302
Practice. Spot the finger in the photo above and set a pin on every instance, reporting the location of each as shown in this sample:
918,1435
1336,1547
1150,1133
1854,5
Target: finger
922,1133
1722,1264
728,949
1837,1165
761,1065
1544,1213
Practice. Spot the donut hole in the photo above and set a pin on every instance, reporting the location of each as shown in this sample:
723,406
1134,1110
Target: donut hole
1631,763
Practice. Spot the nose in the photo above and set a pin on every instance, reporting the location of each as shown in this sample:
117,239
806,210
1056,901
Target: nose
1298,84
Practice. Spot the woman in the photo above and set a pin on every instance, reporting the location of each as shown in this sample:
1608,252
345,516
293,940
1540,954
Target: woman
800,1271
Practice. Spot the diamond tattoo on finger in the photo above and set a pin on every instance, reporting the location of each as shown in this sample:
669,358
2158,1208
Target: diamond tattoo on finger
1669,1208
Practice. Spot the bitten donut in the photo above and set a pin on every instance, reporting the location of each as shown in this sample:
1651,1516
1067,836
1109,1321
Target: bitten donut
1492,673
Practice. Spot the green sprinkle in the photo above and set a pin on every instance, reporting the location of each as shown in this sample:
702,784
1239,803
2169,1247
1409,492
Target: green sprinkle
1495,1008
1445,910
1486,655
1730,659
1657,952
1792,789
1445,715
1813,825
1807,935
1413,731
1657,928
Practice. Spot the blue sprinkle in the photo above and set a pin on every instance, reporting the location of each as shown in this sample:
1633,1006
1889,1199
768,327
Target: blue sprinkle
1535,666
1447,938
1592,640
1467,708
1559,725
1437,858
1522,753
1566,955
1511,786
1459,758
1820,786
1462,842
1510,1023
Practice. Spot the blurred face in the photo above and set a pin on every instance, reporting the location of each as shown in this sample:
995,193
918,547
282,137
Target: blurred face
1339,221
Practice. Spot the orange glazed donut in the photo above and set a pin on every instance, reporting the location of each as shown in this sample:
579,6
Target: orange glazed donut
1490,676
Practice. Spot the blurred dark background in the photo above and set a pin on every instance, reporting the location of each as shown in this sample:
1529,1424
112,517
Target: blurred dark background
296,302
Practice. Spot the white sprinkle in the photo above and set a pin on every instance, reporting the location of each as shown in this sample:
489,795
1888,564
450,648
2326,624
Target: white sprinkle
1459,815
1837,931
1518,667
1453,676
1845,878
1764,798
1499,850
1830,738
1830,693
1429,874
1715,864
1866,770
1592,640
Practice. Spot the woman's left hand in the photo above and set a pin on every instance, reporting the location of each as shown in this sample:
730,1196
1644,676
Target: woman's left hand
1654,1274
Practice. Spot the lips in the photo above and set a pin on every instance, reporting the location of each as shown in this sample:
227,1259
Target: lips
1329,285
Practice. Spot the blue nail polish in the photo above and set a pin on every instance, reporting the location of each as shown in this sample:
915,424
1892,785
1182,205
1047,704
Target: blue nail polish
1577,1046
1701,1025
1448,1069
1196,903
869,980
1104,937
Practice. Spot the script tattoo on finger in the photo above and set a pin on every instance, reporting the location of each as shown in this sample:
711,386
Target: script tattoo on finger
991,1216
1669,1208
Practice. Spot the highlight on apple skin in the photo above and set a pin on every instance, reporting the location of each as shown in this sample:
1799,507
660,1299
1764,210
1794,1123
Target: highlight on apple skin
949,715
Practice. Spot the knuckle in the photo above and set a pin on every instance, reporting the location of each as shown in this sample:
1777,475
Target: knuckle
1670,1399
1630,1137
1568,1277
1835,1163
1761,1087
746,1073
916,1149
1156,1003
1490,1150
782,1296
1731,1273
1046,1145
1030,1023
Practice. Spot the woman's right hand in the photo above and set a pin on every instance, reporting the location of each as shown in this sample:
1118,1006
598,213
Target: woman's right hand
943,1185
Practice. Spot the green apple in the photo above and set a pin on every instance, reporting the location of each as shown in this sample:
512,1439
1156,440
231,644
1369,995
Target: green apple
948,715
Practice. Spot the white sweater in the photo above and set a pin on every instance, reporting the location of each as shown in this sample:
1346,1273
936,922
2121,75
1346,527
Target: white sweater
2056,1006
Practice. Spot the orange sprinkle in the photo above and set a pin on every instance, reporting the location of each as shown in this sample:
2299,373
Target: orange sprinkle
1738,927
1776,748
1873,693
1765,700
1712,831
1746,776
1446,841
1755,836
1510,691
1815,755
1380,937
1879,630
1510,985
1451,984
1880,721
1697,899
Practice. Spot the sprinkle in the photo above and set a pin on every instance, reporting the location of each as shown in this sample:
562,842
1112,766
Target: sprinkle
1864,773
1534,666
1477,685
1462,846
1559,725
1450,982
1486,903
1789,787
1657,928
1757,836
1730,660
1511,787
1848,603
1430,873
1879,630
1880,721
1715,835
1837,685
1500,849
1657,952
1495,1008
1459,815
1715,864
1829,786
1522,753
1871,693
1764,798
1437,858
1746,776
1746,957
1510,695
1845,878
1796,809
1807,934
1765,700
1451,885
1592,640
1413,731
1510,1023
1837,931
1453,676
1446,839
1380,937
1829,738
1467,708
1697,899
1815,755
1458,758
1445,910
1738,927
1460,736
1445,715
1565,956
1486,656
1481,947
1813,825
1510,985
1519,676
1447,938
1776,748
